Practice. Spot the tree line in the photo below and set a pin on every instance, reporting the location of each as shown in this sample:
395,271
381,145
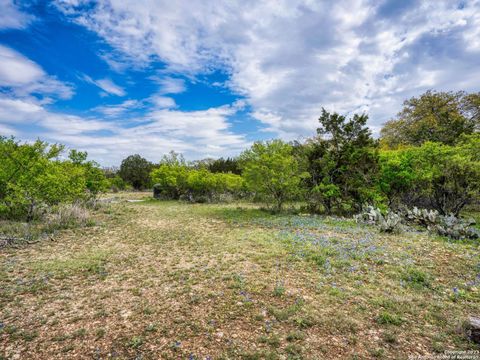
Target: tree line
428,156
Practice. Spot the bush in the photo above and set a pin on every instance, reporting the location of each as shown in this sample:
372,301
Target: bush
343,163
272,172
67,216
177,181
32,177
434,175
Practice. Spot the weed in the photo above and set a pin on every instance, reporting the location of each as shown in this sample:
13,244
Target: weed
295,335
416,278
387,318
135,342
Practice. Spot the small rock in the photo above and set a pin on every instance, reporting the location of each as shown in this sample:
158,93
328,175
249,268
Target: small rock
472,329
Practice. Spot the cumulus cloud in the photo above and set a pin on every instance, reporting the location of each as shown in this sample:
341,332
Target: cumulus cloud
169,85
23,77
290,58
197,134
11,17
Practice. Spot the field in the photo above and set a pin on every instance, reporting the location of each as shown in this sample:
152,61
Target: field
172,280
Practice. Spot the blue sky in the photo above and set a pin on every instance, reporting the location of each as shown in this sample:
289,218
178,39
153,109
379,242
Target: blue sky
206,78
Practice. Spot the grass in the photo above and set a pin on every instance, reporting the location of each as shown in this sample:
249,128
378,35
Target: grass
229,281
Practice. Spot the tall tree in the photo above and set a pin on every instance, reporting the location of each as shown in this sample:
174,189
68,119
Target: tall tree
228,165
434,116
136,171
342,162
271,171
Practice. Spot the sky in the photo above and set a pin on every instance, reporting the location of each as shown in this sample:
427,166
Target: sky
208,78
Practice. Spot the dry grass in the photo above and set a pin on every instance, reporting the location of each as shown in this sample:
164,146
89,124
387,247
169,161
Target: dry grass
170,280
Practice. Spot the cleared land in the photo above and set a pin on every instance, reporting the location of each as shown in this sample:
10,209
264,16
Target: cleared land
171,280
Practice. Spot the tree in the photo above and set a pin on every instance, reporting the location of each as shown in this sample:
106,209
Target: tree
271,171
342,162
398,177
228,165
95,180
434,116
135,170
435,175
170,179
32,176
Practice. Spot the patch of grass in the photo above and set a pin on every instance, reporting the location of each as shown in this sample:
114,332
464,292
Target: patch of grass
88,262
80,333
387,318
279,290
272,340
28,335
136,342
294,350
221,262
390,337
295,336
258,355
285,313
100,333
416,278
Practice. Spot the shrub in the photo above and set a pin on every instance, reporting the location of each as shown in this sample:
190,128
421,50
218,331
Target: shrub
442,177
272,172
177,181
135,170
343,163
32,177
67,216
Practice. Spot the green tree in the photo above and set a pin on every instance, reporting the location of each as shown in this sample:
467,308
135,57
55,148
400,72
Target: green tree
228,165
32,176
271,171
135,170
433,116
398,177
170,179
342,162
95,180
439,176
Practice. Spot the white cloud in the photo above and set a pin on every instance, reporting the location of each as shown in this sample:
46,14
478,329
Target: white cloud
119,109
11,17
23,77
107,85
110,87
197,134
291,57
169,85
162,101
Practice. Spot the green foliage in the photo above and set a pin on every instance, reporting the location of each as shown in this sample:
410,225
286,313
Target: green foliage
116,183
434,116
387,318
135,170
445,178
416,278
228,165
175,180
272,172
170,180
32,177
342,165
